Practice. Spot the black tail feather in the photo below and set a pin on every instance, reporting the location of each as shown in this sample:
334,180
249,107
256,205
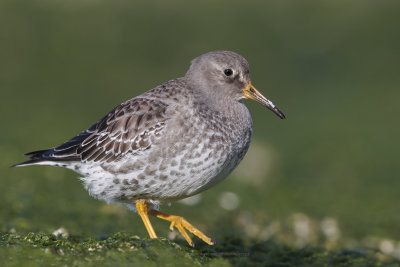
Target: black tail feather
64,152
43,159
28,162
34,157
38,156
36,153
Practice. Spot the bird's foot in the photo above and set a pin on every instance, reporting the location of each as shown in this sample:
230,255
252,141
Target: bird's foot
182,225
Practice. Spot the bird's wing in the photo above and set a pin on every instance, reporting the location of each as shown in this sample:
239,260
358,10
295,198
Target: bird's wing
130,127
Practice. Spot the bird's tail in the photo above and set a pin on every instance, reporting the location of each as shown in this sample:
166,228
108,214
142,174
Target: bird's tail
35,157
43,157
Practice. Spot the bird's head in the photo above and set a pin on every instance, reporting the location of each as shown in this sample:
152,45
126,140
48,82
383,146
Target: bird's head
225,74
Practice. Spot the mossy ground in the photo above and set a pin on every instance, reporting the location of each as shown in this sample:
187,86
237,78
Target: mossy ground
37,249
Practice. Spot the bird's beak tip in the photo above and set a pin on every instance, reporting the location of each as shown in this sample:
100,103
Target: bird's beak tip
250,92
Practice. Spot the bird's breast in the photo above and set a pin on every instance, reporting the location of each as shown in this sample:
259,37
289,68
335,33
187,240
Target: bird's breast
206,148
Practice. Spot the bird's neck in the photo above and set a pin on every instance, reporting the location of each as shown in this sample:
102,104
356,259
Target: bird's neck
228,107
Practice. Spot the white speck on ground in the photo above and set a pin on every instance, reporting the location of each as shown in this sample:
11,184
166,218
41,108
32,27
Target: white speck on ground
330,229
61,232
386,246
229,201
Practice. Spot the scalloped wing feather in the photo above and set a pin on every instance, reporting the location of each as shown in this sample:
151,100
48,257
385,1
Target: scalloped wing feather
130,127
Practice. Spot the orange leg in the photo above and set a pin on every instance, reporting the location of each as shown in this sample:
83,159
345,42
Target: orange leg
142,210
180,223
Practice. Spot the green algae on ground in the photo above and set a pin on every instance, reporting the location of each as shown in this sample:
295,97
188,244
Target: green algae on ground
39,249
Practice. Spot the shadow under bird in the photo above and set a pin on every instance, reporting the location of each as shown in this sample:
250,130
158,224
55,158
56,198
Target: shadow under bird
169,143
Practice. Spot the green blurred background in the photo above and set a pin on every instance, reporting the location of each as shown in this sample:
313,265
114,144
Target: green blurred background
328,174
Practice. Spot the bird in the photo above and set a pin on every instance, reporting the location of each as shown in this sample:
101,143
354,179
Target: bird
169,143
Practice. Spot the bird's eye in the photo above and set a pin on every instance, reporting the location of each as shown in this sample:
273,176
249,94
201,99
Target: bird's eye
228,72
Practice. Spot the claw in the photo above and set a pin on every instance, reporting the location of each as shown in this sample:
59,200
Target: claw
171,227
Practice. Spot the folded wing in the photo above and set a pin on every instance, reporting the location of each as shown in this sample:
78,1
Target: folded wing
131,127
